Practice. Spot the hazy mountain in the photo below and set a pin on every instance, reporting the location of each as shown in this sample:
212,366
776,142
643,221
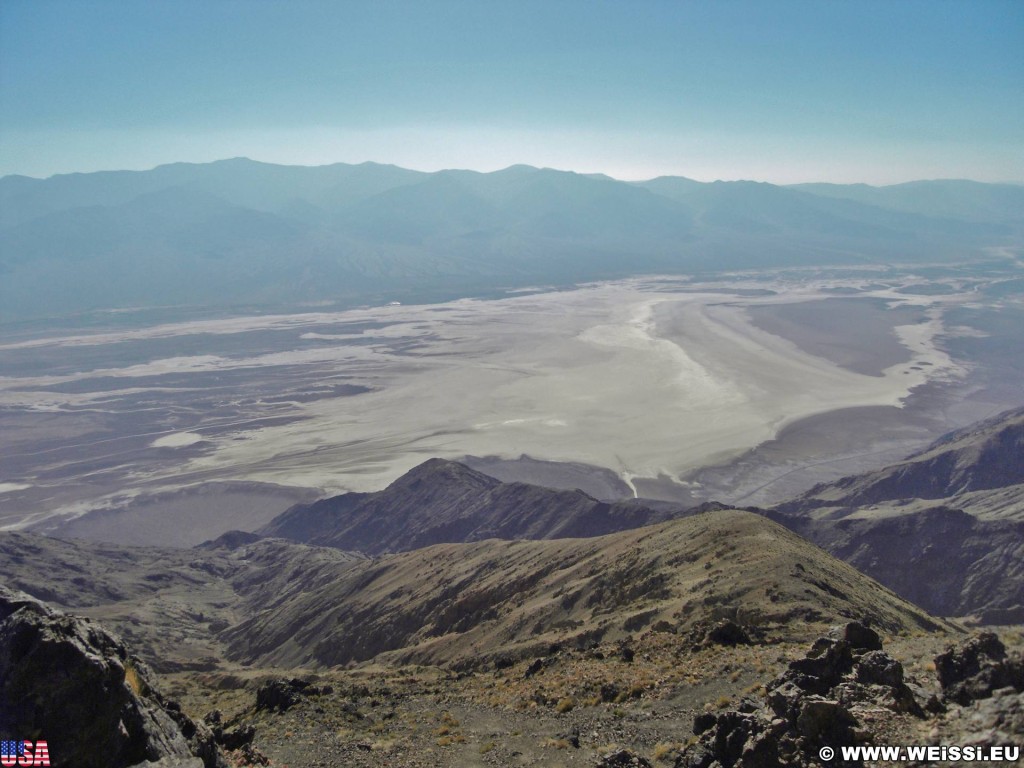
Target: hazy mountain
244,182
445,502
253,232
675,187
953,198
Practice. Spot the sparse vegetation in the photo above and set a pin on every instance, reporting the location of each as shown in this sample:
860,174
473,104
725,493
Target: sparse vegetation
665,751
132,679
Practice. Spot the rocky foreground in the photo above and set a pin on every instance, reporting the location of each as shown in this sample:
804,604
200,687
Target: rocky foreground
721,695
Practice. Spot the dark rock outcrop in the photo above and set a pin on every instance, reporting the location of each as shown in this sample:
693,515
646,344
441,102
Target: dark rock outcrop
623,758
60,674
229,738
281,695
977,667
727,632
814,703
278,696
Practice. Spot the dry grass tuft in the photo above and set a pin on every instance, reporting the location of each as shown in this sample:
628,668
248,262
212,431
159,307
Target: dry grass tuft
132,679
566,705
665,751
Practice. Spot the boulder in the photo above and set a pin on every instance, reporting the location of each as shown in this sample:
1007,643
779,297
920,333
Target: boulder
878,668
727,632
858,636
278,695
977,667
67,680
823,721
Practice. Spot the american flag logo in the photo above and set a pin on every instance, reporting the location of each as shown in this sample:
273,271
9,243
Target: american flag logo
12,748
22,753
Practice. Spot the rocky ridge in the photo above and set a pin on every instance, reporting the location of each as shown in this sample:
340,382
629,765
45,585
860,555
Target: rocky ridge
460,603
270,601
815,703
442,502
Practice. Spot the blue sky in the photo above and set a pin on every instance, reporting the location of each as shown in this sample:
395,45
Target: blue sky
786,91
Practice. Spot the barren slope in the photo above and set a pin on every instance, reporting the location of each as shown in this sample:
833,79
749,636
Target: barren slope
463,602
960,467
273,602
944,528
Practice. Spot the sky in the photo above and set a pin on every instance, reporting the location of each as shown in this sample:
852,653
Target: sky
784,91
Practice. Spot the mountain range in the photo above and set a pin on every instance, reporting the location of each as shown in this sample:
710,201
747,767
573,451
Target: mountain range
239,232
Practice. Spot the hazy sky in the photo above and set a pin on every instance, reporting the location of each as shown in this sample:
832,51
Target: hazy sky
780,91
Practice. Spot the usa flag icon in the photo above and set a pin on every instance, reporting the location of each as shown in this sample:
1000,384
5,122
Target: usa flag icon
12,748
23,753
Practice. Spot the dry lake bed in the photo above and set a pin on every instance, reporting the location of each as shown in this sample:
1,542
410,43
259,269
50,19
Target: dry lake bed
745,388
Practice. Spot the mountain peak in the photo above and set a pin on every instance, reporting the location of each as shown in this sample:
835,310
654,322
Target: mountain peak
443,471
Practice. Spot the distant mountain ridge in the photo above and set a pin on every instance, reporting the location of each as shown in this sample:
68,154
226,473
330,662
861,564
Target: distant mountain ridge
943,528
982,457
250,232
943,559
443,501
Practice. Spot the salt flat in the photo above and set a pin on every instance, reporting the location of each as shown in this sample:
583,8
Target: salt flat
653,378
591,375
